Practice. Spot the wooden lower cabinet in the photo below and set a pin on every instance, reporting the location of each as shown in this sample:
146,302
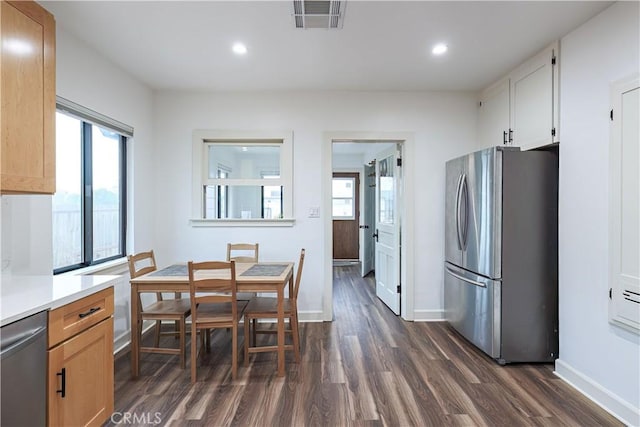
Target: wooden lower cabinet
80,375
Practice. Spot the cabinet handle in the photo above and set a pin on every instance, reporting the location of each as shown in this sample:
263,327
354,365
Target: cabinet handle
89,313
63,389
504,137
510,136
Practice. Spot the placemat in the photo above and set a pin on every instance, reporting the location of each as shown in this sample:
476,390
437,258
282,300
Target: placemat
265,270
172,270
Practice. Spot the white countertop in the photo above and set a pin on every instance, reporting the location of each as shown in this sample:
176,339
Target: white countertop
22,296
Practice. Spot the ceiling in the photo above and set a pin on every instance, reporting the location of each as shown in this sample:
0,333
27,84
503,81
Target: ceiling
383,45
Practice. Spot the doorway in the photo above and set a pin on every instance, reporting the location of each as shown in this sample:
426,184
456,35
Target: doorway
371,144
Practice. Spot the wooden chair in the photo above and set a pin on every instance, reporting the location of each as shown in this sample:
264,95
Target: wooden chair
243,252
267,308
214,305
163,309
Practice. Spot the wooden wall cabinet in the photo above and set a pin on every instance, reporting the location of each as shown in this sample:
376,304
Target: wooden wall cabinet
521,109
80,362
28,99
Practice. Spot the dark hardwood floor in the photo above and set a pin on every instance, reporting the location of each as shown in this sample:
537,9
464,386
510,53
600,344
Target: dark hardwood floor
367,367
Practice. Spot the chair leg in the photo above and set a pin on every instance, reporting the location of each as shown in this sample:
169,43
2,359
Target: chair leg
296,337
254,333
194,346
182,327
139,333
246,341
157,334
234,352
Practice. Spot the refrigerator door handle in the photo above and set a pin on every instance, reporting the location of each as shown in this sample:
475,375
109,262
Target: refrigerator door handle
464,189
458,201
465,279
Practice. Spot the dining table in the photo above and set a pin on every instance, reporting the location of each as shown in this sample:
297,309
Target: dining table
262,277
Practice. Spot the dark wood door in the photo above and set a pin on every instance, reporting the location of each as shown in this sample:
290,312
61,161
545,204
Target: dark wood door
346,231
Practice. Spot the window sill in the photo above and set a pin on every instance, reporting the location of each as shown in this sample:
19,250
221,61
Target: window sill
258,222
110,267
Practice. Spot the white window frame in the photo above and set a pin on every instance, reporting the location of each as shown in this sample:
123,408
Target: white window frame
203,138
353,198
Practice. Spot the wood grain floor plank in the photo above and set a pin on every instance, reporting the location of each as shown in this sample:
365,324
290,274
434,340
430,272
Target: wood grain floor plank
222,406
362,404
409,377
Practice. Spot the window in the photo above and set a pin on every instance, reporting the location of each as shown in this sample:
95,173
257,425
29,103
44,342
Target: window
271,198
242,177
343,198
89,206
386,190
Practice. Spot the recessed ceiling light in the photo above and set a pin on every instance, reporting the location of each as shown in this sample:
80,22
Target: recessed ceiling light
239,48
439,49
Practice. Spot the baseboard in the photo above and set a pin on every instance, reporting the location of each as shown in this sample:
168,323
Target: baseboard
310,316
428,315
610,402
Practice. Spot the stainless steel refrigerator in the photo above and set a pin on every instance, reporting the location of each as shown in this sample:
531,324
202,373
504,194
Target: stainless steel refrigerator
501,252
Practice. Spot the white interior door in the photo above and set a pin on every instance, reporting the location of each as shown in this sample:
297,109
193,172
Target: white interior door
387,246
367,227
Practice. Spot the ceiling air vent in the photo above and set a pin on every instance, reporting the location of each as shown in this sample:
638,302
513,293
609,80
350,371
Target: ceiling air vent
318,13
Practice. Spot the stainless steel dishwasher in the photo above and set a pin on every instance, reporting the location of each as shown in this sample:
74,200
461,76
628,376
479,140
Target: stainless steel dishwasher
23,366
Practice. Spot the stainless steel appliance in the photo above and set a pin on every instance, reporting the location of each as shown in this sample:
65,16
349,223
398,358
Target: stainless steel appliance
23,365
501,252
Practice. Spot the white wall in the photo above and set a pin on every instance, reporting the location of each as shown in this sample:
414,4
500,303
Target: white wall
90,80
601,359
444,127
347,162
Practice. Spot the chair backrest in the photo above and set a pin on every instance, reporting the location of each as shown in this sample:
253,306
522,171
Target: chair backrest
296,284
141,263
242,252
212,282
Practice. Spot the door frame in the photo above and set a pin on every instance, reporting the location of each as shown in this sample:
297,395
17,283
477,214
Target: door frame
406,213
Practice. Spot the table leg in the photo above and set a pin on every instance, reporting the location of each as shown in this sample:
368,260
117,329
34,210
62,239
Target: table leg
281,331
135,330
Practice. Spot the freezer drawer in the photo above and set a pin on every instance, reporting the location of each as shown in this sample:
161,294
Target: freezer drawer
472,307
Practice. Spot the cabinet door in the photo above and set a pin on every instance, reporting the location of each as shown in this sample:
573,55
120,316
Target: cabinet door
493,115
83,368
624,211
532,101
27,88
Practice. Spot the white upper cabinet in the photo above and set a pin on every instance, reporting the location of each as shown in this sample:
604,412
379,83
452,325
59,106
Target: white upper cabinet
532,101
521,109
493,115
